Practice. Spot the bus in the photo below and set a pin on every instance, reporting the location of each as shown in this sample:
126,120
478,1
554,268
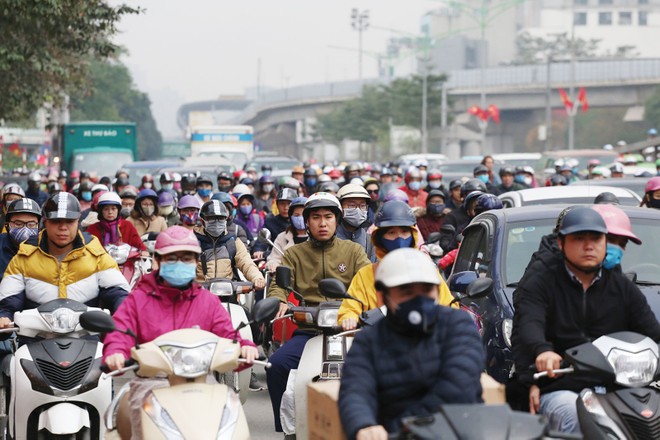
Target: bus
233,142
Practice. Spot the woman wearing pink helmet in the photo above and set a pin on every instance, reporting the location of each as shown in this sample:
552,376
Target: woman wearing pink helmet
619,231
652,193
164,300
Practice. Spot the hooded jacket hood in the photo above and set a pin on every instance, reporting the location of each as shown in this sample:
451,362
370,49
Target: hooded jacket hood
380,250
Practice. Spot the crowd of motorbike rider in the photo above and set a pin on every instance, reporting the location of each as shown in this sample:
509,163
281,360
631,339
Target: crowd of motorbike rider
346,222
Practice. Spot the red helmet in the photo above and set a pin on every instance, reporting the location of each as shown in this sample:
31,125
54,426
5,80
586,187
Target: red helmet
413,173
652,185
617,221
334,173
177,239
147,178
97,196
434,175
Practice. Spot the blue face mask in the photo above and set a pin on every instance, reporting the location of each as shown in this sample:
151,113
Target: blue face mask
310,183
245,209
21,234
519,178
483,178
86,196
613,256
177,274
298,222
415,185
204,192
397,243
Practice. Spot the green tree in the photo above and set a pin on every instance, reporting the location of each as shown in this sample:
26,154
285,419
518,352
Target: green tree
44,45
111,96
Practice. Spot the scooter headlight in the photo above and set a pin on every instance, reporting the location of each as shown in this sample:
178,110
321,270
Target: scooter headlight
594,407
229,416
161,417
62,320
327,317
221,288
190,362
633,369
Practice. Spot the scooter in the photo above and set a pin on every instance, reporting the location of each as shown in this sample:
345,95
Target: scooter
56,385
130,261
433,247
189,408
627,406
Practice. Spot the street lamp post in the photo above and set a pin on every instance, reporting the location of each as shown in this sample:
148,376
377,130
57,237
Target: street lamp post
359,23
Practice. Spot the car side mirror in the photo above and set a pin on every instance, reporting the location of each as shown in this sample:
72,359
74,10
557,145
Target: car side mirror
332,288
479,288
265,310
283,277
459,282
97,321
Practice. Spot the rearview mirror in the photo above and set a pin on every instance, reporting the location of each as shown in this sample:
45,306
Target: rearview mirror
264,236
459,282
265,310
479,288
97,321
332,288
283,276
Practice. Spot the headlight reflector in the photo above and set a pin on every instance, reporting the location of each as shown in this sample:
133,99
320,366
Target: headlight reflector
633,369
161,418
229,416
62,320
190,362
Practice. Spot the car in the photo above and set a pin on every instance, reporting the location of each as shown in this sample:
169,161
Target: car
573,194
456,169
499,244
545,166
433,159
136,170
282,165
22,181
635,184
518,159
213,164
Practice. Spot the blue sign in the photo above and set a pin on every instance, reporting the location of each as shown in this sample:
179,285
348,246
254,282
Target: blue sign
221,137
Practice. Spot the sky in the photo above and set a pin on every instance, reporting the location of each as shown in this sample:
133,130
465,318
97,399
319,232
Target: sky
183,51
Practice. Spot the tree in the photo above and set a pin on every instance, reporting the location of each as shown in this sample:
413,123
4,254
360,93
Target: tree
44,46
110,96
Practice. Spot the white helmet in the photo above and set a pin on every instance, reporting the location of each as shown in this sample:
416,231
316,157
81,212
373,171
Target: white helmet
13,188
99,187
352,190
241,189
322,200
406,266
109,198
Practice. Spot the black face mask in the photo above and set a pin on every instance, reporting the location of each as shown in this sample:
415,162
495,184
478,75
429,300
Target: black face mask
654,203
415,317
224,188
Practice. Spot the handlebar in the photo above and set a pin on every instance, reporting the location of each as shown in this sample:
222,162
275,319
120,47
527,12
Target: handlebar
129,365
266,364
8,329
557,371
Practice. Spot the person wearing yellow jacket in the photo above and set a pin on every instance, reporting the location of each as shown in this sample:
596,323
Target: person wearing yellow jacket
394,229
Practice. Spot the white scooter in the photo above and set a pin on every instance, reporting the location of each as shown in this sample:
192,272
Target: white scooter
55,378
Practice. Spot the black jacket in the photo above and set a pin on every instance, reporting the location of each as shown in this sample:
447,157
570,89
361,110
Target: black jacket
459,219
553,313
389,375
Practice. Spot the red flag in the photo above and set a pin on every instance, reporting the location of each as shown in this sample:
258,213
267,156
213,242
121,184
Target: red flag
494,113
565,99
582,98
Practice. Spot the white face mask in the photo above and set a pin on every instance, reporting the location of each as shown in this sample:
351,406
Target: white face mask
165,210
149,211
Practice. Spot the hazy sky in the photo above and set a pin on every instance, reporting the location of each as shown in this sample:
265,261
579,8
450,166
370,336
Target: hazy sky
182,51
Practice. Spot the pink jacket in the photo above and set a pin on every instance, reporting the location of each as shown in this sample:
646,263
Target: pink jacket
152,309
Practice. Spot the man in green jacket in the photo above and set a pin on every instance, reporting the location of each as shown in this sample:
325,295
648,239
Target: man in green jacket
322,256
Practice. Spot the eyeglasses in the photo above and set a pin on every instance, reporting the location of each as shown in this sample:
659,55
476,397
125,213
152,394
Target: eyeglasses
20,224
362,206
188,259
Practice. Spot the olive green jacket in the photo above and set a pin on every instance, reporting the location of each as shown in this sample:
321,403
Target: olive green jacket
310,262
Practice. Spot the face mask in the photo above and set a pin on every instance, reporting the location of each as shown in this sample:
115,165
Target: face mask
245,209
653,203
149,211
204,192
519,178
125,212
416,316
355,216
216,228
527,180
19,235
147,185
435,184
168,186
223,188
190,220
309,183
435,208
267,188
397,243
298,222
483,178
177,274
233,212
267,172
613,256
166,210
86,196
414,185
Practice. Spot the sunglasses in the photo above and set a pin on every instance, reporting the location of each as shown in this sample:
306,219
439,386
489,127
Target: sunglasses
372,191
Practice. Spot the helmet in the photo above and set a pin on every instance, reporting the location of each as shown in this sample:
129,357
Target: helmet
528,169
310,172
594,162
204,179
266,179
23,206
99,187
386,171
213,208
147,178
507,170
322,200
298,201
246,195
286,194
240,190
573,163
177,239
146,193
413,173
166,177
34,177
617,168
351,167
247,181
324,178
422,163
652,132
63,174
617,222
557,179
486,202
189,201
608,147
434,175
328,187
395,213
266,168
108,198
13,188
297,169
396,194
165,199
122,181
289,182
352,190
479,169
334,173
582,219
223,197
129,192
456,183
85,186
61,206
188,180
606,198
471,186
225,176
406,266
435,193
84,174
652,185
474,195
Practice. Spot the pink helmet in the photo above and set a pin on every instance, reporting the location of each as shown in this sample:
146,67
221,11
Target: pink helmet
617,221
652,185
177,239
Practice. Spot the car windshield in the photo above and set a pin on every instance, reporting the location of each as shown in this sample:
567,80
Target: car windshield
101,163
237,158
522,240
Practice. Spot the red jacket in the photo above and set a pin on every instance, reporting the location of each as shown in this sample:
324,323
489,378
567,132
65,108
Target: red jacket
416,199
127,234
153,309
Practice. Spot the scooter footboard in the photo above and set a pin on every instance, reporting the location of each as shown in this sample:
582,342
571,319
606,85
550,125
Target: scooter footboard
65,418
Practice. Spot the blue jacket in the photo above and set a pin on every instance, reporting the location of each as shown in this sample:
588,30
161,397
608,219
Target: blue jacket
359,236
7,250
389,375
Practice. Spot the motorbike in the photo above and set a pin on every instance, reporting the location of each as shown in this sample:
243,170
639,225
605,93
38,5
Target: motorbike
130,261
189,407
433,247
627,406
56,384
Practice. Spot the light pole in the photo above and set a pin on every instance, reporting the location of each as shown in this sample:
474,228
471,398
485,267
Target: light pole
359,23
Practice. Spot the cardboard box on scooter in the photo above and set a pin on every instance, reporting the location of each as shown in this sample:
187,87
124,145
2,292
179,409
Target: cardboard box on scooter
322,412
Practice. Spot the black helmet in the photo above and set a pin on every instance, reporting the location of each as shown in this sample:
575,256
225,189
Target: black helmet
330,187
606,198
204,179
471,186
351,167
486,202
224,175
121,171
582,219
166,177
479,169
121,181
61,206
435,193
309,172
456,183
557,180
298,201
507,170
286,194
266,168
84,175
471,197
213,208
395,213
23,206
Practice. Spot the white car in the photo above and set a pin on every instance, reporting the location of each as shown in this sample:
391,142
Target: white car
572,194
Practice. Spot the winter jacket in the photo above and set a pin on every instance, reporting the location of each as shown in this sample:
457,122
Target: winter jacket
166,309
359,236
87,274
416,199
312,261
283,241
217,260
238,232
7,251
459,219
515,186
172,219
554,313
252,223
363,287
263,205
38,196
155,223
429,224
389,375
127,234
